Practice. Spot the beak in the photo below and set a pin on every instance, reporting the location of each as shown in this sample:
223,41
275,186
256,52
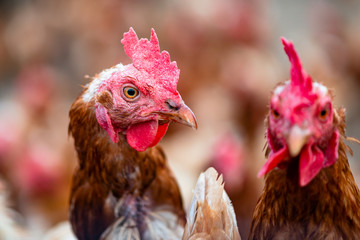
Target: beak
185,116
297,139
181,114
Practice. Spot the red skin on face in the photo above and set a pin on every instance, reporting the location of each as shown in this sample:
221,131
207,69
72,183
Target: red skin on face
301,103
155,77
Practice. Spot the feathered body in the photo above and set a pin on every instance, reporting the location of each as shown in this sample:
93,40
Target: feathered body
123,186
211,214
309,192
111,171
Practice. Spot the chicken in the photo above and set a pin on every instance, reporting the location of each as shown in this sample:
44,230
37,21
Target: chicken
309,192
230,154
211,214
123,186
36,158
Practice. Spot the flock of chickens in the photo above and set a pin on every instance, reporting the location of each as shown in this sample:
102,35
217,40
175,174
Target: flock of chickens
123,187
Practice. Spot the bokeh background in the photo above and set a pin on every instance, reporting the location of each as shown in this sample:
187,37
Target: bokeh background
230,56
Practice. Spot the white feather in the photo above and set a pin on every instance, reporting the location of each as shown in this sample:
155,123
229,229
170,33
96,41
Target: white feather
211,208
321,88
159,223
96,83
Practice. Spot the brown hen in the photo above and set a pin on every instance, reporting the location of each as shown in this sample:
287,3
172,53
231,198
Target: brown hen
123,187
309,192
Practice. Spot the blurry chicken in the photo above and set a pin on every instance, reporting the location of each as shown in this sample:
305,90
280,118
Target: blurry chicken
230,155
36,158
309,192
123,187
229,159
211,215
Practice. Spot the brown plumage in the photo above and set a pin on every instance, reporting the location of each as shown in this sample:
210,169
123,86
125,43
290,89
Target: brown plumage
211,215
109,171
123,187
309,192
327,208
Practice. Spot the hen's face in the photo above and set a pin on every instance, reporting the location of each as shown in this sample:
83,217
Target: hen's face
301,123
301,126
139,99
296,119
130,102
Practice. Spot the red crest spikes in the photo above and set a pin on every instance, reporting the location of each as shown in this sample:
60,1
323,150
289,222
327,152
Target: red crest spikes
299,77
146,56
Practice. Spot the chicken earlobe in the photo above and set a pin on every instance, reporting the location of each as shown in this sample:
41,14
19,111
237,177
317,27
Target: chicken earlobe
104,102
105,122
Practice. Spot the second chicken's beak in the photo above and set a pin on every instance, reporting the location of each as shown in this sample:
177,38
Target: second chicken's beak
297,138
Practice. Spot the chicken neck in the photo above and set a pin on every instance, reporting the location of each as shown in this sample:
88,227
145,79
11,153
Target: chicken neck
331,202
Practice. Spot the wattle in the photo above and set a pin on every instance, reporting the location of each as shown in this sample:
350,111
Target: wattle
274,159
312,159
311,162
143,135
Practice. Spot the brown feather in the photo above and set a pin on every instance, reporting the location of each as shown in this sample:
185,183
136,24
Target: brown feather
109,173
327,208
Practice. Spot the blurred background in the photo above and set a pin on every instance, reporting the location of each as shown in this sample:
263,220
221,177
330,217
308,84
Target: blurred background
230,56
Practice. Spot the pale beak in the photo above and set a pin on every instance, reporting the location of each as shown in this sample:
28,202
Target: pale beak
185,116
179,113
297,139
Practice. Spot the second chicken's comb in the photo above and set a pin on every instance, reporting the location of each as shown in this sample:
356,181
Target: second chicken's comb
299,77
146,56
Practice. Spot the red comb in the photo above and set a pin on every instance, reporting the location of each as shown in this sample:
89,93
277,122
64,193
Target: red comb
299,77
146,56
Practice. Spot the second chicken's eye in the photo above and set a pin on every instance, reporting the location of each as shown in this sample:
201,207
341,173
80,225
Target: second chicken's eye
130,92
324,113
275,114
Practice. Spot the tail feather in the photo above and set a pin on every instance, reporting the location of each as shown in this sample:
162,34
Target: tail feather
211,214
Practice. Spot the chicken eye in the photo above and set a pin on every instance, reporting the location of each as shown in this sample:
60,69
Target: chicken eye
275,114
130,92
324,113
